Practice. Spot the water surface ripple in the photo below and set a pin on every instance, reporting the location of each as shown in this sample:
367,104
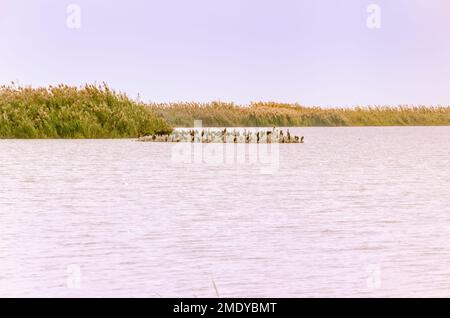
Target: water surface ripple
352,212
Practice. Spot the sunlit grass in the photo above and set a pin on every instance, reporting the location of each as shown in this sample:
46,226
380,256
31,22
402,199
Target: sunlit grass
94,111
70,112
276,114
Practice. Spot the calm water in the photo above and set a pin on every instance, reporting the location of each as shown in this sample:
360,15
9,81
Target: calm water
352,212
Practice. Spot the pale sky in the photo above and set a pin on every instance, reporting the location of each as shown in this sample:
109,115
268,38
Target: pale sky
314,52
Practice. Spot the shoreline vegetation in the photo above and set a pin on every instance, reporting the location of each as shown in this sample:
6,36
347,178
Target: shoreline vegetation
96,111
64,111
269,114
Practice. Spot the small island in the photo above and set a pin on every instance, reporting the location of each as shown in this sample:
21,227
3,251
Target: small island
263,136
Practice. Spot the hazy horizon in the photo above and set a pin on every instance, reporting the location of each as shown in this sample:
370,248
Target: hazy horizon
315,53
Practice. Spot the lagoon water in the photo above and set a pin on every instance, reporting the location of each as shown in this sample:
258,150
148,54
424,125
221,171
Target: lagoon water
352,212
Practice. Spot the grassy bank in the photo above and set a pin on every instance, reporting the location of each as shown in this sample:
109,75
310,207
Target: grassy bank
71,112
273,114
99,112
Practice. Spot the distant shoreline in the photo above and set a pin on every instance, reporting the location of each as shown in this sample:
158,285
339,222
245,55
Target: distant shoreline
97,112
294,115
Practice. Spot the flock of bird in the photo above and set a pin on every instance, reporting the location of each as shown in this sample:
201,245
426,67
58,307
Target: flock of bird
274,135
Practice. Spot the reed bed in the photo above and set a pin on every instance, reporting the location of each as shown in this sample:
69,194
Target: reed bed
71,112
219,114
96,111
